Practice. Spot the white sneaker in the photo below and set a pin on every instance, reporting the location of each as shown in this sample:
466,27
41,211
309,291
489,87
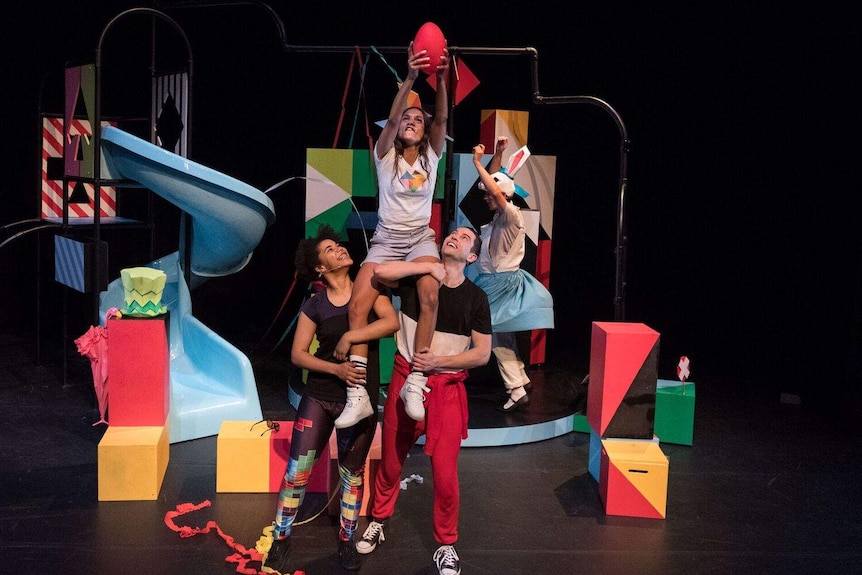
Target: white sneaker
412,396
372,537
447,560
357,408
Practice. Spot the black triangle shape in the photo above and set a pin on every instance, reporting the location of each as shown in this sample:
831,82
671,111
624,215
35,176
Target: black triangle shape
79,194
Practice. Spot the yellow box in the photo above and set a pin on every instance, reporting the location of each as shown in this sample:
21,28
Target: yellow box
252,458
132,462
633,478
242,458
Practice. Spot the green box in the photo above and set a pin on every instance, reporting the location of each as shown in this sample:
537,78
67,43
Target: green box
674,411
387,359
581,424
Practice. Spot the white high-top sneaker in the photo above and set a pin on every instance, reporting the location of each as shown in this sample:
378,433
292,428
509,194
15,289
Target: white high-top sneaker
412,396
357,408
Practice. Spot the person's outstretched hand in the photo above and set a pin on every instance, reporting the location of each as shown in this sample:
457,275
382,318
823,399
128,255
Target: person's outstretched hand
416,61
443,66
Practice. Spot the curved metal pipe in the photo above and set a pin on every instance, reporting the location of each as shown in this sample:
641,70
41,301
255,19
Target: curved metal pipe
27,231
279,25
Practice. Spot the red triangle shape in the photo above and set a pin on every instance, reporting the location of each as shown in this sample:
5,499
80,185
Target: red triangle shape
466,81
622,498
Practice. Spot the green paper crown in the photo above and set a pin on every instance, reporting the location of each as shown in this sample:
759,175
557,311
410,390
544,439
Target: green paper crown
143,291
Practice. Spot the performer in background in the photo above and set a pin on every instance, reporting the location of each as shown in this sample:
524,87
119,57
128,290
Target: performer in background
519,302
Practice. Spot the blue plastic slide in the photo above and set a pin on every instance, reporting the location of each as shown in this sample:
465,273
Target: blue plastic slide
211,380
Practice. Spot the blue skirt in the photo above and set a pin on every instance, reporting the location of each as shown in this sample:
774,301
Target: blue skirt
519,302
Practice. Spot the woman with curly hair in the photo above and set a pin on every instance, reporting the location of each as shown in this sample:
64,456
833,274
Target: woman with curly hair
328,389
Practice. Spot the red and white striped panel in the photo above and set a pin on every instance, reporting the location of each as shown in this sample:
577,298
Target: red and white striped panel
52,190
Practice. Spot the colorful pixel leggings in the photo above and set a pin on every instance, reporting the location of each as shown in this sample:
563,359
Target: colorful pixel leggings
312,428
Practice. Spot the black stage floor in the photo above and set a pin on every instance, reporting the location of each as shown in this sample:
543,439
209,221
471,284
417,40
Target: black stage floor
766,487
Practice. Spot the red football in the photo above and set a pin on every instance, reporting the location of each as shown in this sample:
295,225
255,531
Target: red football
430,38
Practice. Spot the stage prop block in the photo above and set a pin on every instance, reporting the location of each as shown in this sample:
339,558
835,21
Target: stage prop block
580,423
138,371
674,411
132,462
74,258
623,376
252,458
372,462
594,461
633,479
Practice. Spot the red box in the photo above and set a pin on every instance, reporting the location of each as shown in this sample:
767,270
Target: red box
623,379
138,372
279,453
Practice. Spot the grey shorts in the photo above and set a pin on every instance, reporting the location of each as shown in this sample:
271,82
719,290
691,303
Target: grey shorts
393,245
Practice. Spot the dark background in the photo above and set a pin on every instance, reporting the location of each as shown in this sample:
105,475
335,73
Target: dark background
743,239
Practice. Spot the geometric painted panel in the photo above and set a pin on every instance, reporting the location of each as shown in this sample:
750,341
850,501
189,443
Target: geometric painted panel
536,178
51,178
512,124
341,189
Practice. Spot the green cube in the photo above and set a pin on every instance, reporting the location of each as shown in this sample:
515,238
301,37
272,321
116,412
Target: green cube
674,412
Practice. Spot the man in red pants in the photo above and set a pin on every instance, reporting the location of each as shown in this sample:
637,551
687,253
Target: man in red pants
462,340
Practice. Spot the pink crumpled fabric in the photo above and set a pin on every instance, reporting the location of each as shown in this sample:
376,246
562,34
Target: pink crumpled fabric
94,345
